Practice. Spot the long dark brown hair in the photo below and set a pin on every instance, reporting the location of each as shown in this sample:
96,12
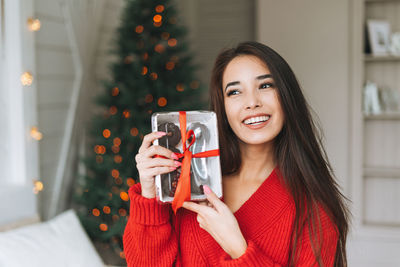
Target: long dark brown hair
298,149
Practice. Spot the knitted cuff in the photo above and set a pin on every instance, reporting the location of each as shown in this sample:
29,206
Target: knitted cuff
147,211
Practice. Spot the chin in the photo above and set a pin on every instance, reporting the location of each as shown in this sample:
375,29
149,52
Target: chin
256,141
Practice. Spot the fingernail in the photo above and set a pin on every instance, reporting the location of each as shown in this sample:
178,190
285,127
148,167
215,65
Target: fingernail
177,163
206,189
174,156
172,168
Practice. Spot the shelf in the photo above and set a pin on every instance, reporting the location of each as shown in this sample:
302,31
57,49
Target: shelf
381,1
383,116
390,58
382,172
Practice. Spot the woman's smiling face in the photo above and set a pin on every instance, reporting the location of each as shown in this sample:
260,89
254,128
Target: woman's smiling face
251,100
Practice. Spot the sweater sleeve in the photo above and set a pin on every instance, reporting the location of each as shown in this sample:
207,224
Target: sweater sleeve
256,257
149,239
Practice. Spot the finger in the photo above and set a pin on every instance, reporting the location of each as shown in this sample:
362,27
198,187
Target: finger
160,162
199,209
212,198
159,150
148,140
203,203
158,170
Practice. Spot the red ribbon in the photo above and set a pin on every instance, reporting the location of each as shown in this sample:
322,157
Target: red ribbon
182,192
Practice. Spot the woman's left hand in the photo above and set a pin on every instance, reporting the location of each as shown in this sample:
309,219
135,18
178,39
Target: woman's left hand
217,219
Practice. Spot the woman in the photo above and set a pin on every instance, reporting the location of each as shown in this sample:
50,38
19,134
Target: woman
281,205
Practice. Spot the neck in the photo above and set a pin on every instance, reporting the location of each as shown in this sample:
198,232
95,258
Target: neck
257,161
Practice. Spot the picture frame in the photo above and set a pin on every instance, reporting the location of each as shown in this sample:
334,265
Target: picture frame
379,37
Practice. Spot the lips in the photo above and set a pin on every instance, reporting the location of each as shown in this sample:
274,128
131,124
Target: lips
256,119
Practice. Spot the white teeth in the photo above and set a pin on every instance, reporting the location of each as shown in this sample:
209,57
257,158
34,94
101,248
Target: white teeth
256,120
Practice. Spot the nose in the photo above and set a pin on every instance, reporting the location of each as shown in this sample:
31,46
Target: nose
253,100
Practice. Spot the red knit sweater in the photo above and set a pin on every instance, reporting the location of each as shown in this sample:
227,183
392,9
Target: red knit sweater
265,219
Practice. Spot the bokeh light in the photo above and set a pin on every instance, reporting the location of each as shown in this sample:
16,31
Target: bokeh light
159,8
139,29
162,102
96,212
134,131
106,133
27,78
35,134
33,24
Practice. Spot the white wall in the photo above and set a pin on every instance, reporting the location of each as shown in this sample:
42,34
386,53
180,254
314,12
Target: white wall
213,26
312,36
55,83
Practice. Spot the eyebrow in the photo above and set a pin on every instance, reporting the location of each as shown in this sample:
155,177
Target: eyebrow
261,77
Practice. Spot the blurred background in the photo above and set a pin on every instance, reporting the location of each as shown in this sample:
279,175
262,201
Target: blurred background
80,79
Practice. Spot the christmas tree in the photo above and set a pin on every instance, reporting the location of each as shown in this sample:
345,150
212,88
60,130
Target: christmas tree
154,73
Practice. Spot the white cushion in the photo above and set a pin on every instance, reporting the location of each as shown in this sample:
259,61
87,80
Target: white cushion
60,242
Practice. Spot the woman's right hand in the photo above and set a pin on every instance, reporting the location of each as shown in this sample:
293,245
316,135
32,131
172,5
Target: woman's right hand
149,166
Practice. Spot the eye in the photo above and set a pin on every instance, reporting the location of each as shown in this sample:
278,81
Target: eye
232,92
266,85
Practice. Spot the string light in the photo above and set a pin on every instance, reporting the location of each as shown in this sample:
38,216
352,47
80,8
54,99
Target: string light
117,159
124,196
153,76
139,29
35,134
106,133
159,48
103,227
144,70
115,149
37,186
96,212
159,8
145,56
27,78
117,141
162,102
33,24
115,173
115,91
126,113
100,149
106,209
130,182
113,110
170,65
122,212
157,18
122,255
180,87
172,42
134,131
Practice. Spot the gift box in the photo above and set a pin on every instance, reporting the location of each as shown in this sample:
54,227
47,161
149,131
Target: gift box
193,136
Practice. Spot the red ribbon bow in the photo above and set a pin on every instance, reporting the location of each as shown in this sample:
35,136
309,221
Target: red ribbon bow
182,192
